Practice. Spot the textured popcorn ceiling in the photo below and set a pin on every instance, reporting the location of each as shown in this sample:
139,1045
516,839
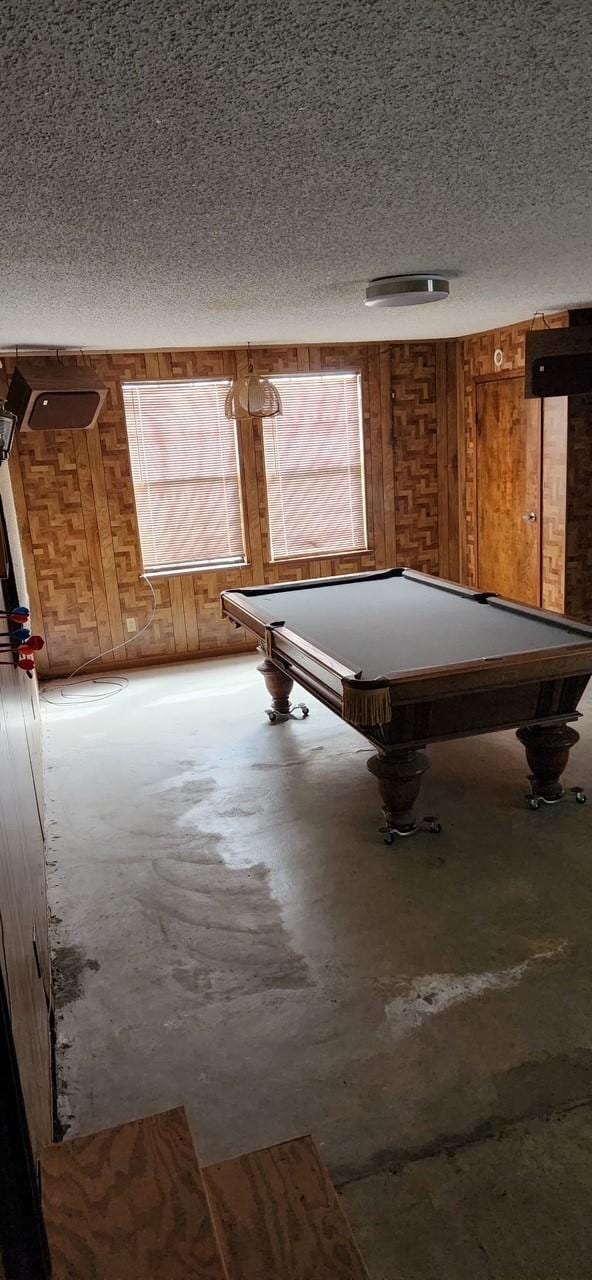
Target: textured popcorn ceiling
184,173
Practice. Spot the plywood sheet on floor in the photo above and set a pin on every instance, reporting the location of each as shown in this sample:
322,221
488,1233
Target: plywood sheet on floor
129,1202
277,1215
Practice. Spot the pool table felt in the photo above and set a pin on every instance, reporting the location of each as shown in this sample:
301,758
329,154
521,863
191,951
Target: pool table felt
383,625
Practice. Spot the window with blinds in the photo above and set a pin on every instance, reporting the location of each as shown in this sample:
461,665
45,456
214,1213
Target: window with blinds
314,466
185,470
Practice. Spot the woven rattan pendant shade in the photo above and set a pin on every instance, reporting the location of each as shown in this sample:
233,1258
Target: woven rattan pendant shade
252,397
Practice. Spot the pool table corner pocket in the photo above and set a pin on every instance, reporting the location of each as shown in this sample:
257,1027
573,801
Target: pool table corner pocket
366,705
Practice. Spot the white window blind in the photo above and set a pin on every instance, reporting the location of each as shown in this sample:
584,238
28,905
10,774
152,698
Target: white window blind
314,466
185,471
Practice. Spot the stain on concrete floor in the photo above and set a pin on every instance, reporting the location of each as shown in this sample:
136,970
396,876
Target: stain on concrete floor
69,964
433,994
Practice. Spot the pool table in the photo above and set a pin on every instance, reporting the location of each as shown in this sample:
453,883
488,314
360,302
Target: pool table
409,659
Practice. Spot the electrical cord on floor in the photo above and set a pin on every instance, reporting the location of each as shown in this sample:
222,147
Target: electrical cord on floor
96,691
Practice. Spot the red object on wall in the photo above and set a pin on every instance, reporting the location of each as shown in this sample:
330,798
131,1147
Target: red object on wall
32,645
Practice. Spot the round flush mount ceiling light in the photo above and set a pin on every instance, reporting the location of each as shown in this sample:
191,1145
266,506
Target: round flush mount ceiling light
406,291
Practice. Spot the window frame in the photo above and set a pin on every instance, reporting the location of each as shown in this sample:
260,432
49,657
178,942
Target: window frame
183,568
295,557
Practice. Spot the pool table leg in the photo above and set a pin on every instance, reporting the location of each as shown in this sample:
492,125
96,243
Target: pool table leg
399,774
547,752
279,686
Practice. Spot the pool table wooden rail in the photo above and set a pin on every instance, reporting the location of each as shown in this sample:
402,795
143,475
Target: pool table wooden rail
536,692
544,681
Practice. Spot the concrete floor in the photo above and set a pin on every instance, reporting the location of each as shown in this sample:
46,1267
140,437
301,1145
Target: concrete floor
232,934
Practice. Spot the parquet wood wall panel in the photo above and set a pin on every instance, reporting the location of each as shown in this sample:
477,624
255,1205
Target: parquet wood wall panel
416,455
450,446
554,496
76,503
578,541
60,549
26,545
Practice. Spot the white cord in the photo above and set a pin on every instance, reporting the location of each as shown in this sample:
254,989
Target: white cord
120,682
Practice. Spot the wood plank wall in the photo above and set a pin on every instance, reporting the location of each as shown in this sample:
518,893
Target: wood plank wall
24,953
76,508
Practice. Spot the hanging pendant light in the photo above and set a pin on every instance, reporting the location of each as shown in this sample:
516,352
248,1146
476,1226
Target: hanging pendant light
252,396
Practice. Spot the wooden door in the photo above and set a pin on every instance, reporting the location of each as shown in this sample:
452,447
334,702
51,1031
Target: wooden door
508,490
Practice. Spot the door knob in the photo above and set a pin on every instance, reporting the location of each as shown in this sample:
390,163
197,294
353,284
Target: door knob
530,517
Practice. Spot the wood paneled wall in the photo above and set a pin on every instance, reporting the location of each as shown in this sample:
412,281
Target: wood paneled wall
75,498
24,950
76,507
566,471
477,360
554,502
578,508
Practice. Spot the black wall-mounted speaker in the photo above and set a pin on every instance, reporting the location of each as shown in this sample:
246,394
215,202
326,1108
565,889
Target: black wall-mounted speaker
568,375
558,362
55,397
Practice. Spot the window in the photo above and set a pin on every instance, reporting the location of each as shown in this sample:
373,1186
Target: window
186,474
314,466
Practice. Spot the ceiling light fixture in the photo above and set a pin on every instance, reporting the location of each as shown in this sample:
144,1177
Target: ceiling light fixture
252,396
406,291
